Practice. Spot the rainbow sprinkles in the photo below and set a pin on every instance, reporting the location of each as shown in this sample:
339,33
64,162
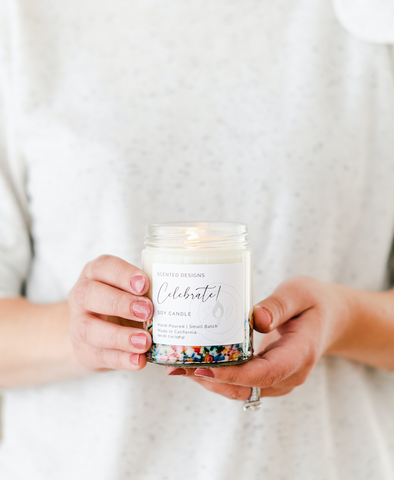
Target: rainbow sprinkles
201,356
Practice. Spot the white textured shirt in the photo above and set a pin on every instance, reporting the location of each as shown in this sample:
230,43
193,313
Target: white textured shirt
279,114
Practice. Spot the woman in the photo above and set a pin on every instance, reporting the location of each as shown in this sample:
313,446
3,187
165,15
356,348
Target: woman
117,115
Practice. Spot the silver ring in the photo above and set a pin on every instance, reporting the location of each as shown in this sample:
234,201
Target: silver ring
253,403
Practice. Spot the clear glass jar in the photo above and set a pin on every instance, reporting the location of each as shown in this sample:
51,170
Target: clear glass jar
201,288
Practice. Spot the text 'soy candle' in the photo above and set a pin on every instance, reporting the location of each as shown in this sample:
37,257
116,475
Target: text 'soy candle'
201,288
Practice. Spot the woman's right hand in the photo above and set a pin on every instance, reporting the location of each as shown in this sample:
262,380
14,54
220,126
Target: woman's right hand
107,298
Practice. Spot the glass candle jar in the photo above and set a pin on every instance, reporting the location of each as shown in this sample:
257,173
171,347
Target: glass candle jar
201,288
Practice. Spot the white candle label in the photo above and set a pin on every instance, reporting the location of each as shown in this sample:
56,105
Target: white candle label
198,305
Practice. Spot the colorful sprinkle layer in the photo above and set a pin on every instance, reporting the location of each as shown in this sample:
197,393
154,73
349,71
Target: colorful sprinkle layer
199,356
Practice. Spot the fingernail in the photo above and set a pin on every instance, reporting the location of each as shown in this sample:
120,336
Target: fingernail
139,341
142,309
178,371
138,284
202,372
135,359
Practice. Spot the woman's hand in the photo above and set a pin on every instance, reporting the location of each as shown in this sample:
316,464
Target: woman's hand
305,319
107,308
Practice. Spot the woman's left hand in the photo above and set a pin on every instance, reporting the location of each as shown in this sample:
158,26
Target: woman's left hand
303,319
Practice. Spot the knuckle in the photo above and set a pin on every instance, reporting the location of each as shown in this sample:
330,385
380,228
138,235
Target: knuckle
277,305
115,304
232,376
301,280
80,292
85,355
310,359
285,391
306,284
115,340
97,265
120,272
87,331
211,387
118,361
237,394
273,378
299,379
100,357
84,330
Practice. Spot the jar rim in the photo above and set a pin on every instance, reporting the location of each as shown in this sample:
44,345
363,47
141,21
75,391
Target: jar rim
197,235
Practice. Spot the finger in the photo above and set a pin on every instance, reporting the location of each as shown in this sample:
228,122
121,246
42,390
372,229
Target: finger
233,392
118,273
99,333
289,300
283,359
276,391
105,358
186,372
101,298
117,360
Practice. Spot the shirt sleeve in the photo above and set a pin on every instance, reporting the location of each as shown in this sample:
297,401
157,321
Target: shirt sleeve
391,258
15,245
391,268
369,20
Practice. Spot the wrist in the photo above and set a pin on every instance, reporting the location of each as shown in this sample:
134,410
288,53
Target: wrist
366,332
344,318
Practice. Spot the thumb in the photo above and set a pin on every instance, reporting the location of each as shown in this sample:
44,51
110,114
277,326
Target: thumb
290,299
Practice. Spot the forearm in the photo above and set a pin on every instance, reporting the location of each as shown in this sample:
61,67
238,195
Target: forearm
35,346
367,334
